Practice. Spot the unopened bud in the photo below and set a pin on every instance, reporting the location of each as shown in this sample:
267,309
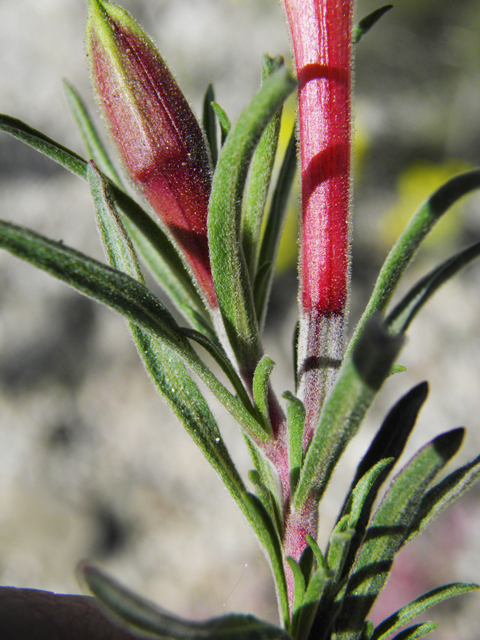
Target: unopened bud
158,138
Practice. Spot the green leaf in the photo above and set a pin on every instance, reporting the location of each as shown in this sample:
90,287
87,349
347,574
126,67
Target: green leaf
268,499
262,286
365,24
184,297
319,557
305,615
164,366
91,140
260,177
147,617
368,630
42,143
404,615
125,295
223,120
112,287
350,529
416,631
267,534
326,609
357,384
209,122
221,358
171,264
181,291
273,230
180,392
398,368
267,476
298,589
387,444
362,492
295,427
437,499
160,254
338,547
230,274
115,240
409,241
393,435
307,563
261,383
403,314
389,529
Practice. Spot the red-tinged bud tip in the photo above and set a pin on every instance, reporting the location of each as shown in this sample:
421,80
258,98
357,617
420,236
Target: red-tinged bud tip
158,138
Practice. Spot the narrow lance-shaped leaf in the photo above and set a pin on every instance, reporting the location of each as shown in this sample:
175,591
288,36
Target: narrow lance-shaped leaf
389,443
304,616
295,428
232,282
409,241
91,140
338,546
341,550
404,615
388,530
307,563
393,435
267,477
184,298
150,618
42,143
319,557
209,121
115,240
350,524
441,495
223,120
221,358
164,366
260,177
403,314
273,230
299,589
268,499
416,631
366,23
261,379
158,239
126,296
368,629
265,530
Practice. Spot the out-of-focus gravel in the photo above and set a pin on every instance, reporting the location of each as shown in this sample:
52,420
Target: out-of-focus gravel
92,464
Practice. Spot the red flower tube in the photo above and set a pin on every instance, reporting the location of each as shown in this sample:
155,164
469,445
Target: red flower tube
158,138
322,34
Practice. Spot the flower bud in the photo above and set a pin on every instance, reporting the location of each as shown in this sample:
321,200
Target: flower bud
322,37
158,138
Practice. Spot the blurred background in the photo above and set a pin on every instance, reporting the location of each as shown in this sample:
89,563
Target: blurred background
92,464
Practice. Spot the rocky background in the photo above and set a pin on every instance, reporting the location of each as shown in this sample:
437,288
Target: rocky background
92,464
